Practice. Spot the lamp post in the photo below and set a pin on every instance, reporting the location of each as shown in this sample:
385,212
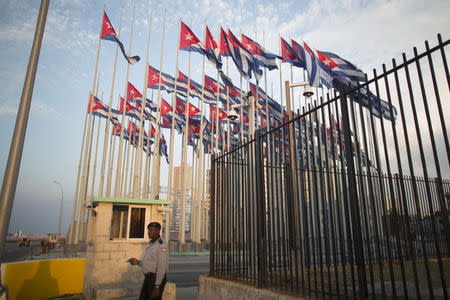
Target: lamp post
61,207
252,104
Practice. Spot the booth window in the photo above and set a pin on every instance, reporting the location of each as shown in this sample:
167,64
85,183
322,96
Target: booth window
137,223
119,222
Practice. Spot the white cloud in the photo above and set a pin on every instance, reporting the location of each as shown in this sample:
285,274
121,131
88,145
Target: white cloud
37,108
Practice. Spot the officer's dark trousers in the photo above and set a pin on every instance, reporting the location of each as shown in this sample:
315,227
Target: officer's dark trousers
149,284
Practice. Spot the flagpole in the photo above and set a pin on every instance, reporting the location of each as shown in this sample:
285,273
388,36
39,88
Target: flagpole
156,156
118,184
281,100
94,169
171,141
71,232
137,191
181,233
106,137
148,156
217,113
200,154
125,167
134,153
241,125
112,146
86,168
75,235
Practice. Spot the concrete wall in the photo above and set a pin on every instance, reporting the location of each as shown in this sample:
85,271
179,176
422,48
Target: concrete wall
108,275
43,279
219,289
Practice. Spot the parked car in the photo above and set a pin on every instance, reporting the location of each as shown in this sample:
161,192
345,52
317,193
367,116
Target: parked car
24,242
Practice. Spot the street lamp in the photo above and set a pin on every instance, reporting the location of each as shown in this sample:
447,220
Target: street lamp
61,207
252,104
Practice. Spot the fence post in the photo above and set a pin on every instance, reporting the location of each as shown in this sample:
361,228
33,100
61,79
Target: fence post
260,209
212,219
353,200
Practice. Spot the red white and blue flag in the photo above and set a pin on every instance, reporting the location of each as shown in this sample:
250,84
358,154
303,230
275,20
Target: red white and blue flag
243,59
189,42
340,67
134,96
212,50
108,33
98,108
289,55
311,66
264,58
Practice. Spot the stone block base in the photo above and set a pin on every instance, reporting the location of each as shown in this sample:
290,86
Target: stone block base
219,289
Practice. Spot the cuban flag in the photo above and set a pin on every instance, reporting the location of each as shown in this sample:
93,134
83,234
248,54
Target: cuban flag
212,51
165,108
264,58
98,108
243,59
289,55
340,67
108,33
117,128
311,66
136,97
154,78
188,40
166,122
223,46
213,113
132,129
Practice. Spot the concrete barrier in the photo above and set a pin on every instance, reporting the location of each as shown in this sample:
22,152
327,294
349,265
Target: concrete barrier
43,279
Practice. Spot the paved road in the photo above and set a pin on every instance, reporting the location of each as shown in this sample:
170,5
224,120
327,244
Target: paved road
185,270
15,253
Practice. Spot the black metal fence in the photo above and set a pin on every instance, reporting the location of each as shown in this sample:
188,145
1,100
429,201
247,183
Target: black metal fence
341,201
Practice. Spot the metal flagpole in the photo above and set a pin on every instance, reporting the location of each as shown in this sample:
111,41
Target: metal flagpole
112,146
95,157
85,170
89,122
71,233
106,137
200,154
193,202
281,102
15,153
117,188
137,191
129,189
181,233
172,132
148,157
125,168
241,123
154,193
217,113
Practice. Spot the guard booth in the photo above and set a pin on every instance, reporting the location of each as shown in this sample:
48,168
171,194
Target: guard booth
117,231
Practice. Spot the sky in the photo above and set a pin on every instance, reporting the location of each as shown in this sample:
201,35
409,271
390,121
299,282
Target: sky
368,33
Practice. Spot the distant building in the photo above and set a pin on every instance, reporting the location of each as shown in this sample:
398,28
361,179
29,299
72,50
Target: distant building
176,197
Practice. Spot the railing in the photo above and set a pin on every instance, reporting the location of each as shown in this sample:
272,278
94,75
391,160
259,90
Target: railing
340,201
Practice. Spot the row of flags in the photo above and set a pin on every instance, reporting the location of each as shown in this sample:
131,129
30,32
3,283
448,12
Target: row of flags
323,69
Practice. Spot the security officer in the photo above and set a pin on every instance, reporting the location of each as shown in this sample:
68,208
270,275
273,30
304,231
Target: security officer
154,264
